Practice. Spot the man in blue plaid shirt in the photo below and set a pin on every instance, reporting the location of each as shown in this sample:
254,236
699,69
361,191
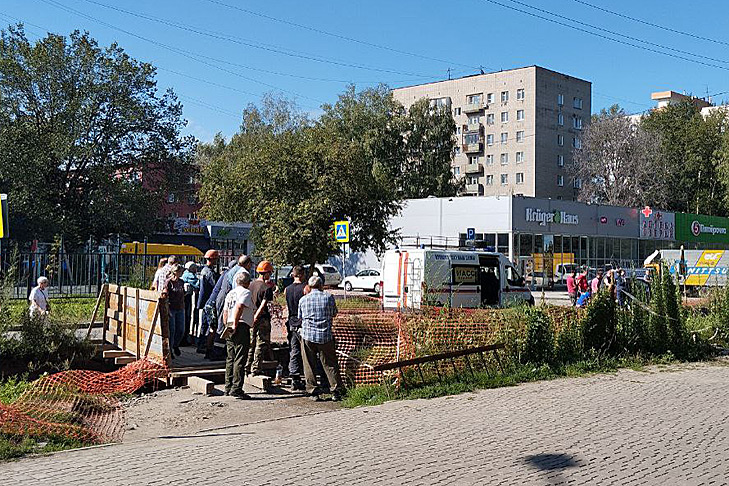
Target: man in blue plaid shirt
316,311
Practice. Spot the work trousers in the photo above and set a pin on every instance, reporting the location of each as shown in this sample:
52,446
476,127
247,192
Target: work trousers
237,347
326,352
260,349
296,366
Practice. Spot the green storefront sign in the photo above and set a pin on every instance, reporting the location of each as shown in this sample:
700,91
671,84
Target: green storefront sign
698,227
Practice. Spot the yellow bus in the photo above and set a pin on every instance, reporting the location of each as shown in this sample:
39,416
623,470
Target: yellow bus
137,248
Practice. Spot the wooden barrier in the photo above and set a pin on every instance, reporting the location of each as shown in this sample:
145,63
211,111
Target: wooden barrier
136,321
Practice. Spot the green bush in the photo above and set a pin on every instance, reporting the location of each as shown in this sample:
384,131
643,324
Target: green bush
569,347
539,343
600,324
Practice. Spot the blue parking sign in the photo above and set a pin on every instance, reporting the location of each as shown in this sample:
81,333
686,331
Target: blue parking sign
471,233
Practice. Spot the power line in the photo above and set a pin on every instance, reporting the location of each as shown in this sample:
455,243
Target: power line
619,41
658,26
212,107
340,36
254,44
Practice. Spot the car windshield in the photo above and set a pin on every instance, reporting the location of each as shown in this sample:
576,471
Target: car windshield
329,269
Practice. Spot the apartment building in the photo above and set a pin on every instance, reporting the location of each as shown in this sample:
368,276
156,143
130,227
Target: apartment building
516,129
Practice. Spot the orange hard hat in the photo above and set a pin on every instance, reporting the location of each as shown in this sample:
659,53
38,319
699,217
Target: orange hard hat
212,255
264,267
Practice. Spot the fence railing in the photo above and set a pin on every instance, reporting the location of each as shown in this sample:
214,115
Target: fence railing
76,274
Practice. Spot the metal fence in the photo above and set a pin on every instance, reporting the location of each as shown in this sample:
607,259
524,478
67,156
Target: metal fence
77,274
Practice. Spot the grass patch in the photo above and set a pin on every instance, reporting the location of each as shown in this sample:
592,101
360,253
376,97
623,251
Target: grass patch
12,447
465,382
72,310
11,389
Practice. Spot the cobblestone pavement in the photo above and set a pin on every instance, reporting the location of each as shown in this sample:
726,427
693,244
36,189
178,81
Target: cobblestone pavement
658,427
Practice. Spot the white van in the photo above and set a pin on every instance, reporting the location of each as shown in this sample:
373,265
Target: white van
411,278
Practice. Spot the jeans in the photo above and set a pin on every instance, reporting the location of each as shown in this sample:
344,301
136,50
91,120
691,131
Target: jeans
177,327
208,315
296,366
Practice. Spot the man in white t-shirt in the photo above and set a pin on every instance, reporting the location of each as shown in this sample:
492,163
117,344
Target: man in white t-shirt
38,298
238,317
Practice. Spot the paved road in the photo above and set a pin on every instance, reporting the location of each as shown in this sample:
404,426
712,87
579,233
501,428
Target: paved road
661,428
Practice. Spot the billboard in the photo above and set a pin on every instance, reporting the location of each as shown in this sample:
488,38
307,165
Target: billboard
699,227
657,225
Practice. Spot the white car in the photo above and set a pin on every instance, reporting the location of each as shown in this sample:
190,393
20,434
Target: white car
328,273
368,279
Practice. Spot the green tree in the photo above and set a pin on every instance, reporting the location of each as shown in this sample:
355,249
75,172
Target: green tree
87,144
690,148
429,144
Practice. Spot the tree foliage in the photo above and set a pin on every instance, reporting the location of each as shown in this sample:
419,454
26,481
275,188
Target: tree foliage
292,177
620,163
87,144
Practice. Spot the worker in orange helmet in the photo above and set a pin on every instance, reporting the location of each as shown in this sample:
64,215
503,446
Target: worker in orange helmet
262,295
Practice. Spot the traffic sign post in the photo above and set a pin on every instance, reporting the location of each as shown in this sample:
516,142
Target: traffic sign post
341,235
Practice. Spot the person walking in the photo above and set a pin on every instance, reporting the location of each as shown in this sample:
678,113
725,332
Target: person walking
243,264
38,298
208,277
175,293
596,283
262,294
317,310
620,287
158,274
238,316
192,286
582,283
214,310
572,287
293,294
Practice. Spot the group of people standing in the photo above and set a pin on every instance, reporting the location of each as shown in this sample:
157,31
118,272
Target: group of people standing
236,309
581,288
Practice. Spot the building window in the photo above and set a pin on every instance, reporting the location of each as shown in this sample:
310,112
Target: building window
576,143
472,180
171,197
519,115
473,99
490,139
560,99
504,179
520,94
489,180
490,98
473,159
472,138
560,140
577,103
490,119
577,122
519,157
504,96
473,119
520,178
504,116
458,130
504,137
520,136
456,111
456,150
560,180
577,183
560,119
504,159
560,160
490,159
456,170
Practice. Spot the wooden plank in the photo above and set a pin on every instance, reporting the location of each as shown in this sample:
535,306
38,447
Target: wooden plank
113,288
194,372
259,381
102,294
136,322
124,317
149,295
115,353
125,360
151,333
106,319
437,357
200,385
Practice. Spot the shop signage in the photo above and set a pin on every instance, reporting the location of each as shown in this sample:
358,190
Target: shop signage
699,227
657,225
535,215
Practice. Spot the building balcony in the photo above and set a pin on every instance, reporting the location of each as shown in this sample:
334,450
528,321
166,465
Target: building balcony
473,189
473,127
472,148
473,107
474,168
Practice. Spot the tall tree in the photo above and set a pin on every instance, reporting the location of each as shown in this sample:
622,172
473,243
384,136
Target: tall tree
87,144
690,144
429,143
619,162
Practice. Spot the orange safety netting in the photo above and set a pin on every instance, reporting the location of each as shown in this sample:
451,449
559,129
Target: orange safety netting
77,404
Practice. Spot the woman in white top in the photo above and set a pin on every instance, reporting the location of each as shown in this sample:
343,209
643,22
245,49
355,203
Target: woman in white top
39,305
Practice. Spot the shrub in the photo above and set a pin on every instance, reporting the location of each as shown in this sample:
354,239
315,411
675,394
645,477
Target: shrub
539,343
569,347
599,325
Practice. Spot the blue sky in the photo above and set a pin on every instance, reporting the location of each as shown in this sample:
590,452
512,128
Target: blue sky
243,54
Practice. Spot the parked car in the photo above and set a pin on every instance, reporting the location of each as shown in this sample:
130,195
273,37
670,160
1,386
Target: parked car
368,279
328,273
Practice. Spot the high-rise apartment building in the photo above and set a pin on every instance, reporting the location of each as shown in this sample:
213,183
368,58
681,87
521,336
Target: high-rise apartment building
516,129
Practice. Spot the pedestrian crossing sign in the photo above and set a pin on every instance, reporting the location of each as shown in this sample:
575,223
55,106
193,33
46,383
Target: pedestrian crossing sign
341,231
4,220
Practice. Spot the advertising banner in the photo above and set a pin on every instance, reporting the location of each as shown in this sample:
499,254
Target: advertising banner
657,225
699,227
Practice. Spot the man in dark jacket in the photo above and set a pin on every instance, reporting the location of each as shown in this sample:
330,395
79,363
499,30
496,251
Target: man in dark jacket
208,277
213,312
293,294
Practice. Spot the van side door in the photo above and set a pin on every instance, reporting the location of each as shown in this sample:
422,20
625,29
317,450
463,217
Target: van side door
514,291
